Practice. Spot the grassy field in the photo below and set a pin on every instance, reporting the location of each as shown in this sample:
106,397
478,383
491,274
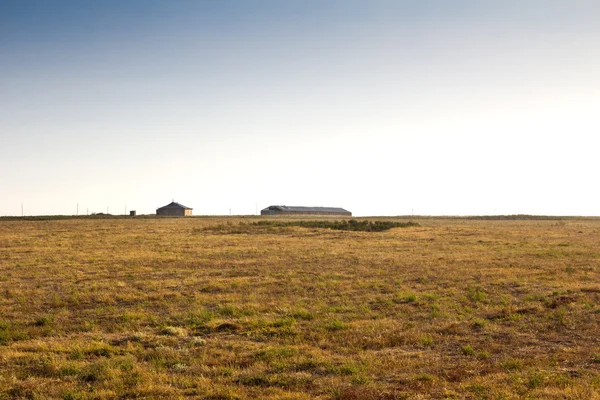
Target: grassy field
208,308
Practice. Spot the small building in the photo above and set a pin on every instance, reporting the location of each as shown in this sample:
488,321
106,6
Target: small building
174,210
296,210
132,213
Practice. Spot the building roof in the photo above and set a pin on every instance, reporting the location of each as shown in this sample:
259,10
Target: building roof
308,209
174,204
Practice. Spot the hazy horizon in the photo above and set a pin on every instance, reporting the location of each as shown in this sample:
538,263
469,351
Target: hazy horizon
380,107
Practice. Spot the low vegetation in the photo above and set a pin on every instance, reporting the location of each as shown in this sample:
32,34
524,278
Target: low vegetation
350,225
270,226
177,308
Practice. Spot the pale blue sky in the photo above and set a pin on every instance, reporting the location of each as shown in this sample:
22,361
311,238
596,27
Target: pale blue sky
381,107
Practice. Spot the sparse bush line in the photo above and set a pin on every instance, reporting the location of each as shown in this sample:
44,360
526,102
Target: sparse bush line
343,225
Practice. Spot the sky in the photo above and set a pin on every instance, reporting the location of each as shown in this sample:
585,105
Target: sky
383,107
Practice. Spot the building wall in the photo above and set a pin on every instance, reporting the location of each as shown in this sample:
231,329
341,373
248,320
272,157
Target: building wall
277,212
173,212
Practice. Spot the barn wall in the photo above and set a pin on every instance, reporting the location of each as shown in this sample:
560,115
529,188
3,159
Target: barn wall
273,212
173,212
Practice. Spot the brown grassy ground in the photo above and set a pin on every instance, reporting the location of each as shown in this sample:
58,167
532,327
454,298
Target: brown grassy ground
162,308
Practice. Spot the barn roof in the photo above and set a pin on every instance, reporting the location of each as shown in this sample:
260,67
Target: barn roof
175,205
308,209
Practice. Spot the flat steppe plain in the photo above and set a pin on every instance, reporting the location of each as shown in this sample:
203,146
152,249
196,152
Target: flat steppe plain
217,308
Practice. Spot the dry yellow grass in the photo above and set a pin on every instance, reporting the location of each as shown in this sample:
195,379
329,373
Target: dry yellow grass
162,308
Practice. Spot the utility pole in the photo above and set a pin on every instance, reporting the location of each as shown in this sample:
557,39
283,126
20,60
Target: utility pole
21,209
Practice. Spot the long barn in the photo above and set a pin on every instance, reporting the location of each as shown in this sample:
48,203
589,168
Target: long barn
297,210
